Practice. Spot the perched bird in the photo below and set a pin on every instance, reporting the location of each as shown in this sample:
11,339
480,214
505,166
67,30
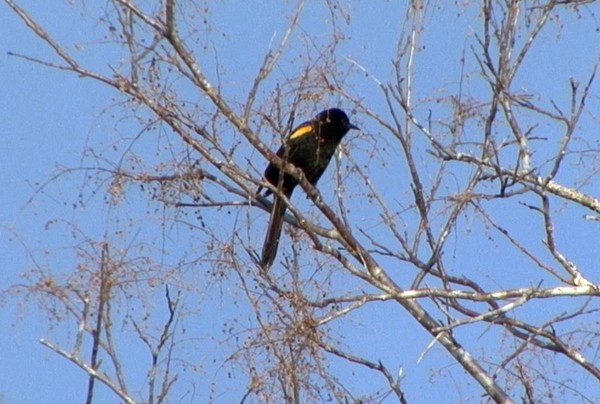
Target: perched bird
309,147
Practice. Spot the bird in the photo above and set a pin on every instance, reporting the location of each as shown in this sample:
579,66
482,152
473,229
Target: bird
308,147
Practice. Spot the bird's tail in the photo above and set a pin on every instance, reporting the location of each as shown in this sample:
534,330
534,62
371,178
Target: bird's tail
269,251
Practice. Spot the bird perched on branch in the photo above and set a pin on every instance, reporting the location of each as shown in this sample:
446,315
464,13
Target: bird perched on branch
309,147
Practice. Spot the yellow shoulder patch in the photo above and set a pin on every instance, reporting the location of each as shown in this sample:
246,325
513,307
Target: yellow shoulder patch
301,131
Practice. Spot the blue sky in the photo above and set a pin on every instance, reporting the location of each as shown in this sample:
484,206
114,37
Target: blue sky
53,119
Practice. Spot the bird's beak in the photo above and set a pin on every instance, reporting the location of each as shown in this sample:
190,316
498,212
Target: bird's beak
352,126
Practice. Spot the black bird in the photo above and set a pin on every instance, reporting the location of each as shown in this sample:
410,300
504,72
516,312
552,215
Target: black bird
309,147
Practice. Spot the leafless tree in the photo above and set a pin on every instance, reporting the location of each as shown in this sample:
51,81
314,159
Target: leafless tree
451,210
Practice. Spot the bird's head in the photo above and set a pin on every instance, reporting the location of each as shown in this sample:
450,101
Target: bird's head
335,119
